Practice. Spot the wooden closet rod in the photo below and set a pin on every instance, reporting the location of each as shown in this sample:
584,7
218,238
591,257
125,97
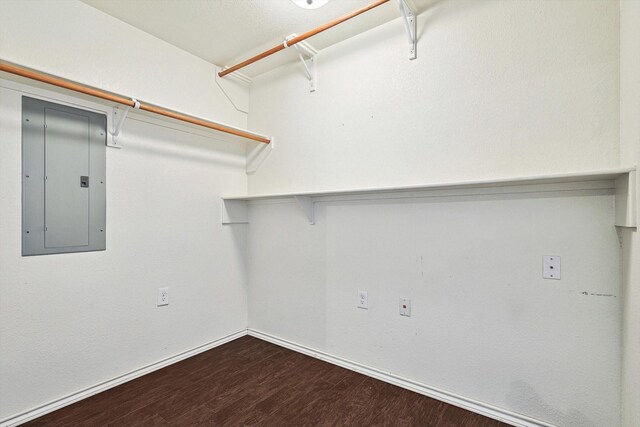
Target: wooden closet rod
98,93
302,37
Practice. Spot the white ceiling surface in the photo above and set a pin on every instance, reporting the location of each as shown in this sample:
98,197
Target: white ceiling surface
225,32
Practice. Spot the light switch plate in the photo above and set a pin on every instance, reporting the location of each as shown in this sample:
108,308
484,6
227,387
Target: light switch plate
551,267
405,307
363,300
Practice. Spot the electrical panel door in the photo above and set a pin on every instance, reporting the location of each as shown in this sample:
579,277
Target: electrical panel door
63,179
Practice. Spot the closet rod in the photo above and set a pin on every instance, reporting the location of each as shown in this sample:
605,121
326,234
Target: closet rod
302,37
98,93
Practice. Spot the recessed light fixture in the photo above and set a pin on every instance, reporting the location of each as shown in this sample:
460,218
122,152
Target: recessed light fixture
310,4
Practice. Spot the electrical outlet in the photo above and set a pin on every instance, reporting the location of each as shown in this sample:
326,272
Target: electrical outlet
363,300
405,307
163,296
551,267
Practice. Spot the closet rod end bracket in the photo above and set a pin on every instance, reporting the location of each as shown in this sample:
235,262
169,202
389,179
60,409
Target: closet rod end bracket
118,118
308,57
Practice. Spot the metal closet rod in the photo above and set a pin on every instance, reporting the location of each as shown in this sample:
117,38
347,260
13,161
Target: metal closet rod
302,37
98,93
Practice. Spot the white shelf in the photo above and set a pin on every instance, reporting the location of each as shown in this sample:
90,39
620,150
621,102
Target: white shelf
621,181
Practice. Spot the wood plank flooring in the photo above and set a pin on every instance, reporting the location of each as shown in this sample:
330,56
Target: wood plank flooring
250,382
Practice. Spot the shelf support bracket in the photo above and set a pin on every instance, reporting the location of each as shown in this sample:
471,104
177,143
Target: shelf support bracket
119,121
310,68
307,205
257,155
626,203
410,24
234,212
309,57
227,88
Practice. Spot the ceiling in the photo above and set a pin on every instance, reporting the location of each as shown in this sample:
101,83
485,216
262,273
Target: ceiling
225,32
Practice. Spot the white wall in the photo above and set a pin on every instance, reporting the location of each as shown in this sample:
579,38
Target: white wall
70,39
71,321
500,88
629,155
484,325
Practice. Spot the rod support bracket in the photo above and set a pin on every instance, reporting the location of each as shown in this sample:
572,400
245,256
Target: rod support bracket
119,121
308,207
410,22
309,57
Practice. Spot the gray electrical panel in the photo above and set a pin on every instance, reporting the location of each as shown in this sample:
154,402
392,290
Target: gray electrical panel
63,178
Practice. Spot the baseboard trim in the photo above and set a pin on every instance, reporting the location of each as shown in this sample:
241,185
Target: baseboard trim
433,392
90,391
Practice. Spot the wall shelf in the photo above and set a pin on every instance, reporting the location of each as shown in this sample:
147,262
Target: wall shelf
621,182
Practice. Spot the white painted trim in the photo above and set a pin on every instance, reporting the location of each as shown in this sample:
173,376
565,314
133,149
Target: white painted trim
560,180
587,184
433,392
54,405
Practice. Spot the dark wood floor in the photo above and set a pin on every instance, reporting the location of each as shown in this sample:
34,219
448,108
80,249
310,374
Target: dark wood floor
251,382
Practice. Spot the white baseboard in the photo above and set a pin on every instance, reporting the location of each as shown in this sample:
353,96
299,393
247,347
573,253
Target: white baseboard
90,391
460,401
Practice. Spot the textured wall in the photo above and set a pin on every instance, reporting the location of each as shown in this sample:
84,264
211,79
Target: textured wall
70,39
72,321
500,88
630,155
485,325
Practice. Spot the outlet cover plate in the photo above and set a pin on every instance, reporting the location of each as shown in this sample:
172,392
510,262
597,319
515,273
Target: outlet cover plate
551,267
363,300
405,307
163,296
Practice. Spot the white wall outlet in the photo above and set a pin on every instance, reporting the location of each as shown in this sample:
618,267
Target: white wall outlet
163,296
405,307
363,300
551,267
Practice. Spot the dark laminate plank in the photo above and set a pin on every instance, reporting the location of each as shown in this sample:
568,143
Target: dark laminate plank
453,416
138,418
236,407
318,407
198,415
116,402
249,382
406,410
